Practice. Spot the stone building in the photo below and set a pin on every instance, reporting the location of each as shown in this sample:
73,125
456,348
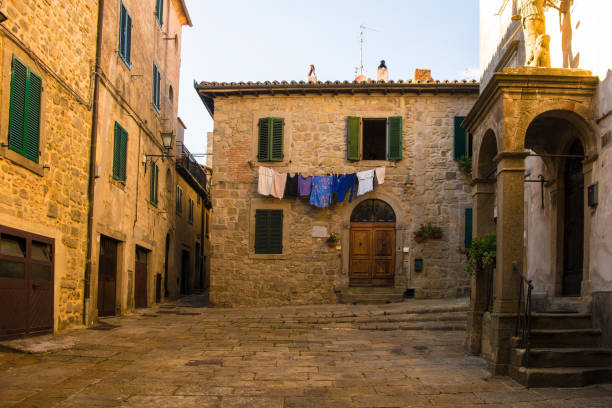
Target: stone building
132,231
410,128
45,129
541,154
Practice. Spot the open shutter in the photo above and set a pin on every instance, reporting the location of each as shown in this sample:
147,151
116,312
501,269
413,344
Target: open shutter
153,184
460,140
122,30
394,129
468,227
17,115
159,11
354,138
261,232
32,131
275,232
128,39
276,140
123,157
263,145
117,153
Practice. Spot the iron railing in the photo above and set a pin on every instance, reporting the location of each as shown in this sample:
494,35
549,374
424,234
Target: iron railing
523,313
185,161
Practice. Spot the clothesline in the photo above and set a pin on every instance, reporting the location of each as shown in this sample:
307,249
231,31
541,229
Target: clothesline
319,189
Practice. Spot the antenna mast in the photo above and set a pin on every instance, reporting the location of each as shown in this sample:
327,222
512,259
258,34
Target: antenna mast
362,29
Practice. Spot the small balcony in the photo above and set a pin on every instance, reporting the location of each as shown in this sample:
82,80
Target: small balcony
189,168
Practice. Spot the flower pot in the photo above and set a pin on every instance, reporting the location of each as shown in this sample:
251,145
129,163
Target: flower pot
419,238
437,235
331,243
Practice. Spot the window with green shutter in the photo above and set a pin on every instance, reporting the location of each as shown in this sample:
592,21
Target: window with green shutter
468,227
24,111
460,142
125,36
156,86
394,142
159,11
268,231
153,187
120,153
179,200
374,138
270,139
354,138
190,211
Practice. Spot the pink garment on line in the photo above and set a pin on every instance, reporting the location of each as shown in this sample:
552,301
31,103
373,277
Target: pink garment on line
278,185
380,175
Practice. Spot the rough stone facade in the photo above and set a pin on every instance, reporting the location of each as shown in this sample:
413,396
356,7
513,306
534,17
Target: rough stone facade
315,135
49,198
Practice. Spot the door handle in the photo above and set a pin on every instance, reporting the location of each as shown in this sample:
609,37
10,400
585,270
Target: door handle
34,286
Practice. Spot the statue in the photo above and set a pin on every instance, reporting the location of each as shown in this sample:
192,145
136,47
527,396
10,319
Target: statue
534,25
565,24
312,76
542,51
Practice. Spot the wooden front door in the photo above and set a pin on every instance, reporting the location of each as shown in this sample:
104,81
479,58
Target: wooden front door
372,255
573,242
140,278
26,283
107,277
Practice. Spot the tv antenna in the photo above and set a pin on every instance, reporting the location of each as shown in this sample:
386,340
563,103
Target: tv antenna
362,29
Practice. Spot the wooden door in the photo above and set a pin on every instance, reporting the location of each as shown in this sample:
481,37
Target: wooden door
107,277
372,254
185,273
40,300
573,242
140,278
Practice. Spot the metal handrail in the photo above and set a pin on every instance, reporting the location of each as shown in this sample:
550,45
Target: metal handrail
523,314
187,161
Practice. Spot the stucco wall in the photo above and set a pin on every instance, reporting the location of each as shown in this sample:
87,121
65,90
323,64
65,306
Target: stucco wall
315,144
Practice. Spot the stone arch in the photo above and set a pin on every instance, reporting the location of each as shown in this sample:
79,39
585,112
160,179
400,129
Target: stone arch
484,163
373,210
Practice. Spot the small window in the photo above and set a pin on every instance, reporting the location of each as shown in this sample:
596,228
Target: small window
179,200
125,36
153,184
120,153
159,11
190,211
374,138
268,231
468,227
25,258
156,86
270,139
24,111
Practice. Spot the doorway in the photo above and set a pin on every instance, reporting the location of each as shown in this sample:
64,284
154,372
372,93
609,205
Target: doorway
140,278
107,277
185,272
573,222
372,244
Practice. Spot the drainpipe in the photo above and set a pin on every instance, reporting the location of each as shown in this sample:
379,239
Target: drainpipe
92,164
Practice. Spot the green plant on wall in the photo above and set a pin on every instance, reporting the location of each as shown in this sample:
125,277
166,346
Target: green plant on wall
465,164
482,254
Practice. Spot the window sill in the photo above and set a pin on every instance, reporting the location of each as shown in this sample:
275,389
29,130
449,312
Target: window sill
22,161
126,62
374,163
120,184
255,256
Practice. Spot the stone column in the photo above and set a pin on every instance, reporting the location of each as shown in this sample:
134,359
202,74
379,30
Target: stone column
483,198
510,234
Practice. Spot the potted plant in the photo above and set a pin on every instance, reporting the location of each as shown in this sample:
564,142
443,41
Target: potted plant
435,232
421,234
333,239
482,254
465,164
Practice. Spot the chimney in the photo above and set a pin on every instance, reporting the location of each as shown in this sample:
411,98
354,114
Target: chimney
312,76
383,73
422,75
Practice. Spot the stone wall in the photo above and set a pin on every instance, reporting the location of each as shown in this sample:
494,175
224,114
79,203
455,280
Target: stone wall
309,271
57,41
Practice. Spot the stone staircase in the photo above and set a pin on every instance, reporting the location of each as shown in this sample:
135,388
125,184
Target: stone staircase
565,352
370,295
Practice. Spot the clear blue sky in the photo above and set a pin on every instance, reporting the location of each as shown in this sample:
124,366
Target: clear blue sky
259,40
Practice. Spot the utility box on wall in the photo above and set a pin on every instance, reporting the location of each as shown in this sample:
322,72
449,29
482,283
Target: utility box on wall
592,195
418,264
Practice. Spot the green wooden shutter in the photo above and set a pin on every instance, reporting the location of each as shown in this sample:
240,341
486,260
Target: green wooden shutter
153,183
261,232
354,138
128,39
263,144
275,231
32,131
117,153
123,157
394,129
276,139
460,140
17,115
159,11
468,227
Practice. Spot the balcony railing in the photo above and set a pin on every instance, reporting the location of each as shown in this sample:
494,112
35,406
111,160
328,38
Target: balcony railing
185,162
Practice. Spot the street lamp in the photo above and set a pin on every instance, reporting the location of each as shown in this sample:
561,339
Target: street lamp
167,145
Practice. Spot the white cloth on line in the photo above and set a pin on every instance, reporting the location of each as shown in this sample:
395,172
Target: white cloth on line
380,175
278,185
265,181
366,182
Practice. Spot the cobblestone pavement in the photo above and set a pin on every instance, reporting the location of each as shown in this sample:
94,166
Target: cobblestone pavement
186,355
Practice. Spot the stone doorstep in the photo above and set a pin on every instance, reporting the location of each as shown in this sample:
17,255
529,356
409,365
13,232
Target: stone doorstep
39,344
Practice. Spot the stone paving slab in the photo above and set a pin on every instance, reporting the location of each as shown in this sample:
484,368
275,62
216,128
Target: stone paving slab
187,355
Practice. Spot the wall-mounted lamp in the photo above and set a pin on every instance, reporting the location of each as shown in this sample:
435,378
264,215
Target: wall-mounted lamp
167,138
408,182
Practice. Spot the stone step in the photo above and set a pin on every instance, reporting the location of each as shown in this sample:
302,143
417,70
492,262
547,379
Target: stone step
447,326
561,338
371,295
563,357
389,318
545,321
561,376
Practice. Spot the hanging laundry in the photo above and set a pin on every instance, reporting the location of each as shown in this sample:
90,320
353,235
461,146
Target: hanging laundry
342,185
291,188
366,182
278,185
304,186
265,180
321,193
380,175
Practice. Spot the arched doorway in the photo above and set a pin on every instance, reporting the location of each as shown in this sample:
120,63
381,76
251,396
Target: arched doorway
372,244
573,221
